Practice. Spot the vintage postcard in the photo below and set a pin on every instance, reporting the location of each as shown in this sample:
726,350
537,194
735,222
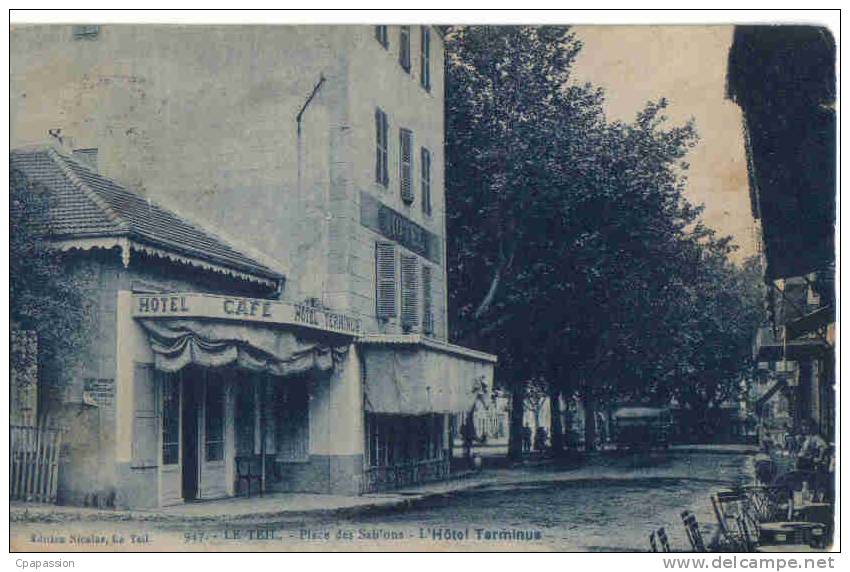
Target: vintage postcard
422,287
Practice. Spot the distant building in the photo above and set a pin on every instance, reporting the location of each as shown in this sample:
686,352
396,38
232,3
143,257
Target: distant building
262,209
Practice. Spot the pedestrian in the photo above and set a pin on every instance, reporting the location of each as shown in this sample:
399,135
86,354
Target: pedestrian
526,439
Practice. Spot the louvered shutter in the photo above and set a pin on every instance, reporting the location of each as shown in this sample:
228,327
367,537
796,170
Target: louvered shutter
406,165
425,58
409,291
385,274
381,171
404,48
427,301
425,169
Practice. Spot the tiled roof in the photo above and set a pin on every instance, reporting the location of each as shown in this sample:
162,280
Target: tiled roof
88,205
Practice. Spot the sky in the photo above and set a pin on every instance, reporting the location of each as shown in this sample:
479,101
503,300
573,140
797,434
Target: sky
687,65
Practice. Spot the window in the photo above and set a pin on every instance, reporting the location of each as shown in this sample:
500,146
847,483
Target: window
395,439
245,419
385,289
382,175
425,58
405,164
292,421
425,174
404,48
214,420
427,301
381,36
409,291
86,31
170,421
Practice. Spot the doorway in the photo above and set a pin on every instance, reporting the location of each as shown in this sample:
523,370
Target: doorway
190,432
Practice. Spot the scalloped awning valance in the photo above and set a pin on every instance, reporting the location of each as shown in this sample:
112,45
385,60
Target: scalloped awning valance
177,343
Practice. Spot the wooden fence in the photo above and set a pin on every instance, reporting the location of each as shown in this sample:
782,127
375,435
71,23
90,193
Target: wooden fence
34,462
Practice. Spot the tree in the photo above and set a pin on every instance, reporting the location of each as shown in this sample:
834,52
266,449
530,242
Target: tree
511,116
45,298
573,253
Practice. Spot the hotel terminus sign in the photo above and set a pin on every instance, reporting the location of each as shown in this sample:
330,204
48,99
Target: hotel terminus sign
195,305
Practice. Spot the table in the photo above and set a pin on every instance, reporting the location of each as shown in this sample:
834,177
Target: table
791,532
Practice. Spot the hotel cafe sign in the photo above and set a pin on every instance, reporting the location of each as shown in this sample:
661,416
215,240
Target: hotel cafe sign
232,308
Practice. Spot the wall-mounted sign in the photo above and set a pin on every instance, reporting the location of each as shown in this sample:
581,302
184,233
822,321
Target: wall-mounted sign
195,305
395,226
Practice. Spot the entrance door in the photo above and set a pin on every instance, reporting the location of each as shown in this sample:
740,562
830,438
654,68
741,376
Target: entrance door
191,406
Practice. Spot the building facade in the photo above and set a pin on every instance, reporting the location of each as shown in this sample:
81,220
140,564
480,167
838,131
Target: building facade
294,327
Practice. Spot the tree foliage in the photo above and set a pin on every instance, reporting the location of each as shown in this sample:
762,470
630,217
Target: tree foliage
573,252
44,296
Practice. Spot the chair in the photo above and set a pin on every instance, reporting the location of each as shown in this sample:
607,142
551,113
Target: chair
659,537
249,468
732,520
689,519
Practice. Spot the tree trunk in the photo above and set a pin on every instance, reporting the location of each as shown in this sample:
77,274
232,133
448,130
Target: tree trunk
516,426
589,420
556,426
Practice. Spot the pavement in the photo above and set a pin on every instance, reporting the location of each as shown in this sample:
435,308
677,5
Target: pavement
294,506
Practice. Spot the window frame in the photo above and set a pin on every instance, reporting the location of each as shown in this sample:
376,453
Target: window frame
405,140
382,167
425,161
425,58
382,35
404,48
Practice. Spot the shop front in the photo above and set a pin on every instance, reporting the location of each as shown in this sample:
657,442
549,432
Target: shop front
227,396
413,386
220,396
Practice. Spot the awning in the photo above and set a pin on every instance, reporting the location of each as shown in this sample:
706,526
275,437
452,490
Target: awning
177,343
810,323
411,375
764,398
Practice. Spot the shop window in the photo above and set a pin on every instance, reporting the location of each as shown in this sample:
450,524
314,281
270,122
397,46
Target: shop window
381,36
396,440
214,420
406,165
409,291
170,422
425,57
382,175
427,301
404,48
425,174
292,421
385,281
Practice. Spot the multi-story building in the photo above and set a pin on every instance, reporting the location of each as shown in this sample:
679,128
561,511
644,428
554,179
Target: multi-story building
783,78
281,304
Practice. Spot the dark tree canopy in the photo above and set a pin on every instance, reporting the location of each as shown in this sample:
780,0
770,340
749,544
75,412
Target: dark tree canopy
573,252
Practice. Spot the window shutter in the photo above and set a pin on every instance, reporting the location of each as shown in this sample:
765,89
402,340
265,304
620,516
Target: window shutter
381,35
425,169
406,165
381,170
427,301
409,291
404,48
145,449
425,58
385,274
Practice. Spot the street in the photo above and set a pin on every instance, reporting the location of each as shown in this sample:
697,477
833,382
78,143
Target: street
610,503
